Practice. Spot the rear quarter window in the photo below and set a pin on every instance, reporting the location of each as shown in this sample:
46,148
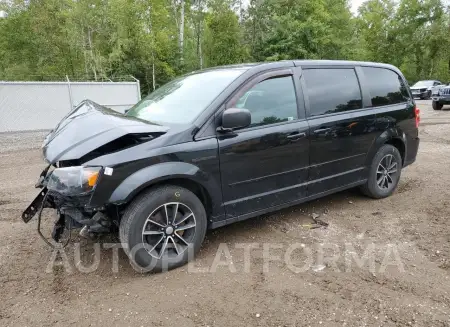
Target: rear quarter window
386,87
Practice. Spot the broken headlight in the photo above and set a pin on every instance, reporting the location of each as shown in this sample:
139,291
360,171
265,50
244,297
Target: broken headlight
73,180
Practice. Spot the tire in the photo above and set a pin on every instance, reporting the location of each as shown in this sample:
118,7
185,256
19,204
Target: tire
436,105
145,253
389,183
428,97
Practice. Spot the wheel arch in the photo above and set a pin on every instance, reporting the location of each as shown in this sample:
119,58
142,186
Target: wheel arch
180,174
400,145
198,189
394,137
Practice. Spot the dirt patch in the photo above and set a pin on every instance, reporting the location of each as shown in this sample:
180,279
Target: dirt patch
407,185
44,288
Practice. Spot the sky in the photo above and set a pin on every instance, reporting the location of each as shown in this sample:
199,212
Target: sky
355,5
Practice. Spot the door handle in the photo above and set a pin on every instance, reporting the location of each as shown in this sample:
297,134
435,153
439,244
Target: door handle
296,136
322,130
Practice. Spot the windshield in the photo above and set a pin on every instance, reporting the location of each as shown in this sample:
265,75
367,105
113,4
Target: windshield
182,100
423,84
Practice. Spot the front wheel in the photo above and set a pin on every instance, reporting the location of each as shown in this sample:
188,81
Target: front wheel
163,228
436,105
384,173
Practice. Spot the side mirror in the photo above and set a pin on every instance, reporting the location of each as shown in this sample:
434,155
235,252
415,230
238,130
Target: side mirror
235,118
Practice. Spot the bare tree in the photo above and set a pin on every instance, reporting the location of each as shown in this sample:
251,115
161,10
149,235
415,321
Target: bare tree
198,28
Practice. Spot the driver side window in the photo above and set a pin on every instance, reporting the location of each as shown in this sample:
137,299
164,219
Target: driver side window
270,101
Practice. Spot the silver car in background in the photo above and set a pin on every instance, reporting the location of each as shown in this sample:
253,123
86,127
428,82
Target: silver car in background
424,89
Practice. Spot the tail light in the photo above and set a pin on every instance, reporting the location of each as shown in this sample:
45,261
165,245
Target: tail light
417,115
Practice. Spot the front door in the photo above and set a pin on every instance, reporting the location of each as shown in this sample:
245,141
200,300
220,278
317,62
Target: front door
266,164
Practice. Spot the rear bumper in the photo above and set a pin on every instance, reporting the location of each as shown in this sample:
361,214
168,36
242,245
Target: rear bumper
412,147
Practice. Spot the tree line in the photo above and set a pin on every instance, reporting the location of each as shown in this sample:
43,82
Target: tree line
156,40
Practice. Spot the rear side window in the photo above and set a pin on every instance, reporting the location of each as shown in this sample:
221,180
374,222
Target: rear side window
332,90
385,86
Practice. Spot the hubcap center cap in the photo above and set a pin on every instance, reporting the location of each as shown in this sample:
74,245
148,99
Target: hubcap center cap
169,230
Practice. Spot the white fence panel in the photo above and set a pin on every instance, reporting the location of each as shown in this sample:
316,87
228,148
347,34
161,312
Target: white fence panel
26,106
118,96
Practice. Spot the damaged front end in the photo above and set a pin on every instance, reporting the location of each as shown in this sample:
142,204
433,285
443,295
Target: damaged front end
68,190
69,182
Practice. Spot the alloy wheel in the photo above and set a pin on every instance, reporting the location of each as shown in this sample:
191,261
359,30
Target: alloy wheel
169,230
386,172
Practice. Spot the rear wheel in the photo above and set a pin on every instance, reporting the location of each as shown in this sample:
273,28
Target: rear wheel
436,105
384,173
163,228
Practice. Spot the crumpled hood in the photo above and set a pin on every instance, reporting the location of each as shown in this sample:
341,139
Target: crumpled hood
91,126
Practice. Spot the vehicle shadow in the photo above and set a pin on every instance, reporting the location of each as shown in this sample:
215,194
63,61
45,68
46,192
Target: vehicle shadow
251,230
300,214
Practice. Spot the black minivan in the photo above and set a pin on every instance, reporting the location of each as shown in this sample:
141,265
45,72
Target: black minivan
222,145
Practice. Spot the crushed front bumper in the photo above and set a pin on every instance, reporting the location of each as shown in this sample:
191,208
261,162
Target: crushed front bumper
54,200
35,206
71,211
419,94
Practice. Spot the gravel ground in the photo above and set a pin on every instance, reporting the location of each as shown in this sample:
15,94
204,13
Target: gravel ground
403,282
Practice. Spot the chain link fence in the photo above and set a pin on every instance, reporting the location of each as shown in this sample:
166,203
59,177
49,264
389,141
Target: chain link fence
31,106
